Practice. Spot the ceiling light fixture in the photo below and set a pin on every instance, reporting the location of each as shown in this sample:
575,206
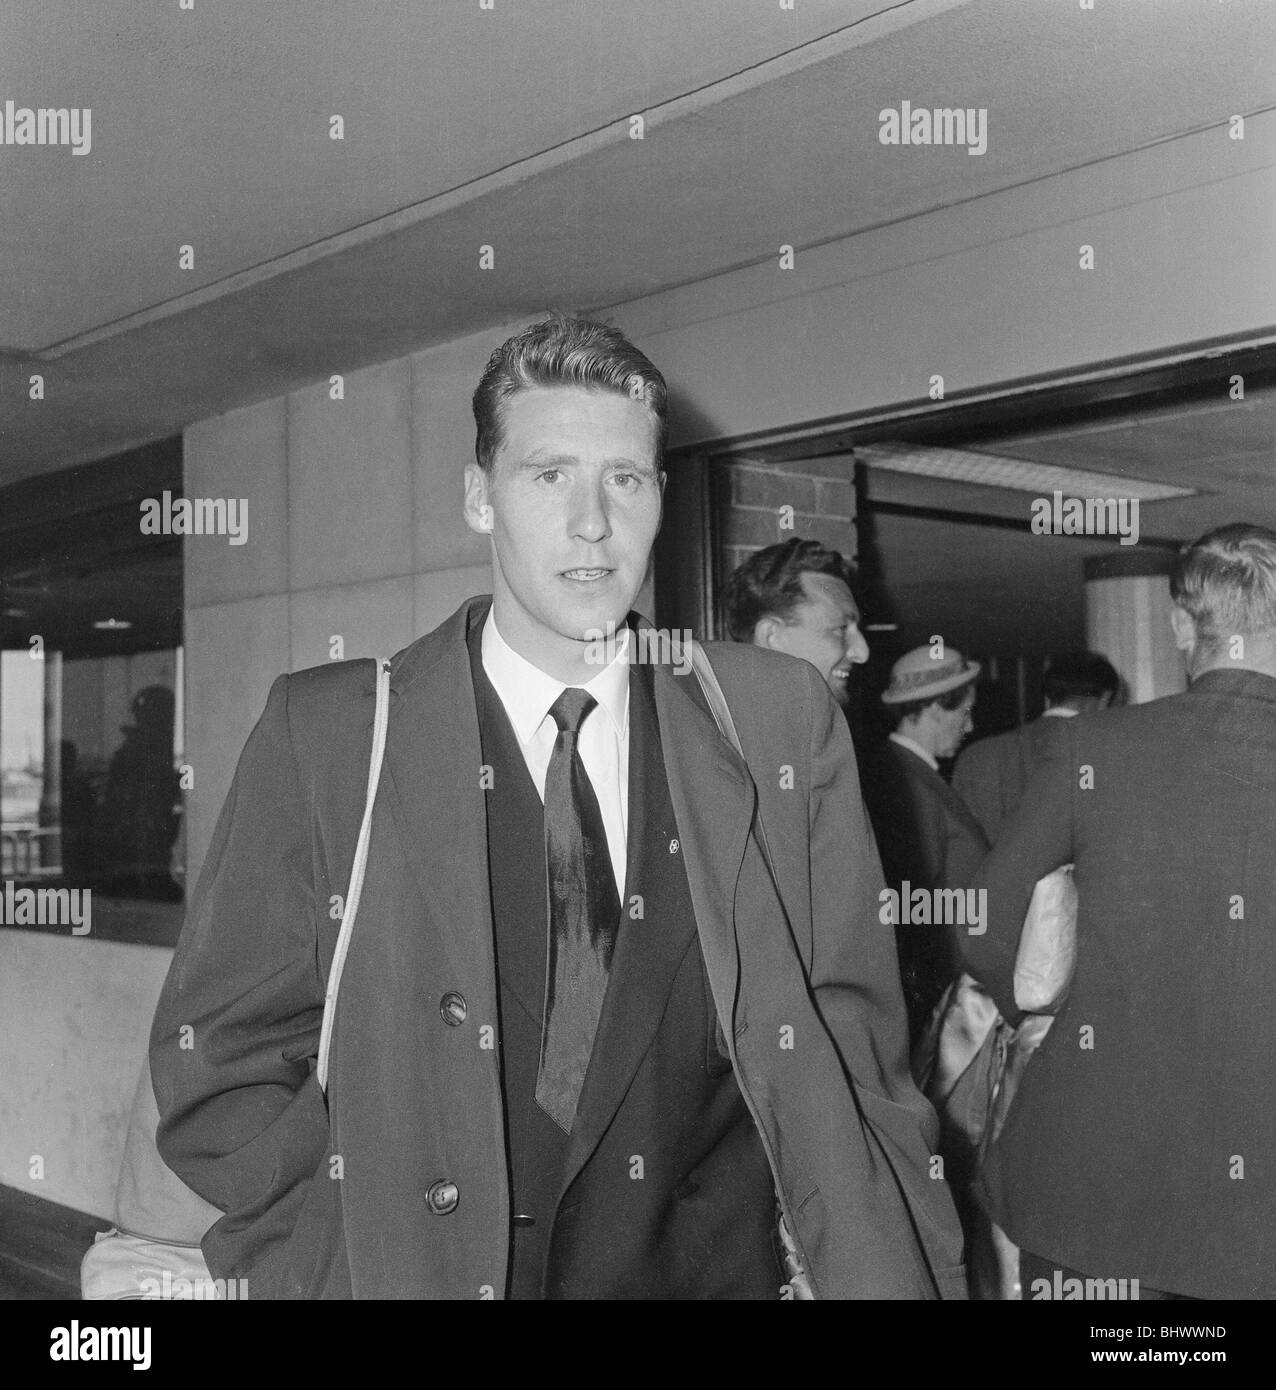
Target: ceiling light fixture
987,470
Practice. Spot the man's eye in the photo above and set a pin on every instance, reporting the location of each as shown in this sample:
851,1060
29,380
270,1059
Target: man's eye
626,480
549,473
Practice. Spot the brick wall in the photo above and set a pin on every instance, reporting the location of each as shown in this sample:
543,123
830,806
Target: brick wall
752,496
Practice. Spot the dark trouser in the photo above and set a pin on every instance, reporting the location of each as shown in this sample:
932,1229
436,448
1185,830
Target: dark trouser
1038,1267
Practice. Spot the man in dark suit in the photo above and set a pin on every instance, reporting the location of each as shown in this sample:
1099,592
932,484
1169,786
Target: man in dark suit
1140,1143
927,838
586,1038
991,775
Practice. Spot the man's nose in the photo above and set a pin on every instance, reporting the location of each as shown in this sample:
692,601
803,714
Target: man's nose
856,647
589,519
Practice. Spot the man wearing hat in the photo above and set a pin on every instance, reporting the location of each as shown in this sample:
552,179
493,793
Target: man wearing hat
927,836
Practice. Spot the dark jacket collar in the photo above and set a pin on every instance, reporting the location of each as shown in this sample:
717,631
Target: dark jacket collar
1248,685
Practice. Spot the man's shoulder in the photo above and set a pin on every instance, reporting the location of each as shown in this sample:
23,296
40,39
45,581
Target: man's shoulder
759,670
985,752
334,684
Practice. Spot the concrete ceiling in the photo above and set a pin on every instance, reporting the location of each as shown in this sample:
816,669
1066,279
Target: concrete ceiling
1226,450
996,590
507,127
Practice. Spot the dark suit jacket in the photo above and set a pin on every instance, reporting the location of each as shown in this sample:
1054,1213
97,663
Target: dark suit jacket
925,831
992,775
802,974
926,838
1151,1095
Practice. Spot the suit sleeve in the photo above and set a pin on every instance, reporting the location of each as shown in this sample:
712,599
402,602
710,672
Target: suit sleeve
855,977
233,1045
1037,839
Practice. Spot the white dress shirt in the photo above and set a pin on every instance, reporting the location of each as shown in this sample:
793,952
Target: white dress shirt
527,694
1060,712
905,742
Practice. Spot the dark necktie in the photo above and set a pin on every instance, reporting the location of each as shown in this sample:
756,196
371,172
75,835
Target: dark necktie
584,915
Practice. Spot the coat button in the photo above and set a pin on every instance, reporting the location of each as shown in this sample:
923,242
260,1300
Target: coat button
523,1220
442,1197
453,1008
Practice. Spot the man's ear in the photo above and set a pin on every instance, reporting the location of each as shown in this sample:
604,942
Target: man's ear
766,633
478,509
1184,626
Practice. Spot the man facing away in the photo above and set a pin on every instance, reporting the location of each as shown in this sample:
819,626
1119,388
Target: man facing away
587,1044
1140,1144
991,775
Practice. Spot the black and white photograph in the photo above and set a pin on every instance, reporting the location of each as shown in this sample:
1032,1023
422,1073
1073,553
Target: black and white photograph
638,663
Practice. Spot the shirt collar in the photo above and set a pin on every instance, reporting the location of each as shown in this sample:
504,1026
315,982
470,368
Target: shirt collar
1060,712
527,692
905,742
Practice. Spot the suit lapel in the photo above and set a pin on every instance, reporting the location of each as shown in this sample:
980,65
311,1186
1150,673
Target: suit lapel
432,761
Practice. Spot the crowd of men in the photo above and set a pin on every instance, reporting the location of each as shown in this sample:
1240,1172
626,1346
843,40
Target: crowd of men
1134,1154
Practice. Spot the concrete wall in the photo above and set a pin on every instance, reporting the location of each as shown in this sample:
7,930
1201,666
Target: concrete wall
76,1014
982,292
355,533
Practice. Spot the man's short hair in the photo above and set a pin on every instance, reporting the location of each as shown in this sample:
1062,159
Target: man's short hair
949,700
563,351
769,583
1226,580
1076,675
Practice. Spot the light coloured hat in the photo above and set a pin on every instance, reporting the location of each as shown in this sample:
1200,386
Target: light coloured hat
918,675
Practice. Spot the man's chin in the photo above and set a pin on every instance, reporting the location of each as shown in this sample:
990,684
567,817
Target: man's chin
840,690
587,619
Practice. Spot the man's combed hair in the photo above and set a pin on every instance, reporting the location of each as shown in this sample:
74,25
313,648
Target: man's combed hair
1227,581
563,351
769,583
1073,675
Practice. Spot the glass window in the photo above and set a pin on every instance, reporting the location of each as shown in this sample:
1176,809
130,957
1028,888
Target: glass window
90,706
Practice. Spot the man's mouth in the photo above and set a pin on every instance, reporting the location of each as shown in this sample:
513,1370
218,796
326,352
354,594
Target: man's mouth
585,576
841,673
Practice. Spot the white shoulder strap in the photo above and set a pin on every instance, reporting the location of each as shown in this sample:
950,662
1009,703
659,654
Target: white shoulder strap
380,722
708,679
713,693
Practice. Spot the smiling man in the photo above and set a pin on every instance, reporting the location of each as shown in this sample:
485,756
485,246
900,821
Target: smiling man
588,1043
795,597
